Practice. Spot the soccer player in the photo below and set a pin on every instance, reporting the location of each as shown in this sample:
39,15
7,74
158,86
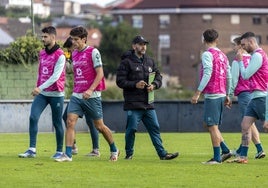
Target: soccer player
68,44
256,73
86,97
241,89
49,90
215,72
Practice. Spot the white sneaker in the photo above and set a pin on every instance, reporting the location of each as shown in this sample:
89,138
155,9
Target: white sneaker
64,158
94,153
28,154
74,150
57,155
114,156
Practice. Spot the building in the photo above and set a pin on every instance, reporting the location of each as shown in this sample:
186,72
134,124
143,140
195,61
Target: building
174,28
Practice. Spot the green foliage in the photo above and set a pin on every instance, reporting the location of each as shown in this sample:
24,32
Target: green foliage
2,11
115,41
17,12
169,93
69,85
173,94
22,51
112,93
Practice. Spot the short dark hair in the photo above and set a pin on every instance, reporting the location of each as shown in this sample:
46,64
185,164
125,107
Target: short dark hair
79,31
68,43
237,40
247,35
210,35
49,30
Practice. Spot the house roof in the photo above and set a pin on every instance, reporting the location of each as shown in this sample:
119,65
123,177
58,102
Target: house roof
94,35
11,25
162,4
5,38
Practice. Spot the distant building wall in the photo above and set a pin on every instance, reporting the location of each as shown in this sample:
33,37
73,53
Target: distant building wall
173,116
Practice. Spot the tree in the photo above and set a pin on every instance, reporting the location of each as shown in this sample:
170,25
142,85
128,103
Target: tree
115,41
24,50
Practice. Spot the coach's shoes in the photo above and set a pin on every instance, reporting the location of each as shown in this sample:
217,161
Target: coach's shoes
129,157
211,162
114,156
226,156
170,156
28,154
64,158
94,153
260,155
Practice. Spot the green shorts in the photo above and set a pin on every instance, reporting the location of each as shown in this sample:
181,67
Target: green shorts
91,107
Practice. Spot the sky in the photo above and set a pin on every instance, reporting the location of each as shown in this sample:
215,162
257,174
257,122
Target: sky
99,2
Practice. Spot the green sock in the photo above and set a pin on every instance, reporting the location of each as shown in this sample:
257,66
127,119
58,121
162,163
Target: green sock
217,154
244,151
113,147
259,147
224,147
69,151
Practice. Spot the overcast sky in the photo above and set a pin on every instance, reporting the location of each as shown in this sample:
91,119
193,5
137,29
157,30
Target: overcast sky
99,2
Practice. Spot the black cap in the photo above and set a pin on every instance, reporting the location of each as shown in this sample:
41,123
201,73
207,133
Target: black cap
139,39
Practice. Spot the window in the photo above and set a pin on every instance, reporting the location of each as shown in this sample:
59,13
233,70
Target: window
137,21
164,41
258,37
165,59
235,19
256,20
164,21
207,18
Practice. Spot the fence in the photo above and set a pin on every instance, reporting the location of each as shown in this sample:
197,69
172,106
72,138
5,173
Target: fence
173,116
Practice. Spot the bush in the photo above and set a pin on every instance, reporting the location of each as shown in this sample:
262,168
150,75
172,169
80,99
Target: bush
112,93
22,51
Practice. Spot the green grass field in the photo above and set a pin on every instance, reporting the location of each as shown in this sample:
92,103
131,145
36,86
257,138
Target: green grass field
145,170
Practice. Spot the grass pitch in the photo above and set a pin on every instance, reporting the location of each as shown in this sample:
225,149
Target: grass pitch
145,170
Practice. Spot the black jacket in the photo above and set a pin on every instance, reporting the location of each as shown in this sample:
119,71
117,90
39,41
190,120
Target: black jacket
132,70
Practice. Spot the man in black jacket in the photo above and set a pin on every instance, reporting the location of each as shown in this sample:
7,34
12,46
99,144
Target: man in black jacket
133,77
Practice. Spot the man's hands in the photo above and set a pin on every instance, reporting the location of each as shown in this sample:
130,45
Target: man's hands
228,102
142,84
36,91
195,98
265,126
87,94
239,55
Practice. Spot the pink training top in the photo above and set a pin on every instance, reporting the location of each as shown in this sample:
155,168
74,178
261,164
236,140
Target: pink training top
84,71
242,85
259,80
46,69
217,82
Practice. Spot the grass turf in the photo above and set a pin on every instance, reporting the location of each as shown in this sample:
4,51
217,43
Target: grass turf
145,170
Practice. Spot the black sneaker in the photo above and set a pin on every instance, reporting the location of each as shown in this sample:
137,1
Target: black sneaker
129,157
260,155
226,156
211,162
170,156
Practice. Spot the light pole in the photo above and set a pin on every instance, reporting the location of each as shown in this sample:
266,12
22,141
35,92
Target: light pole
32,15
